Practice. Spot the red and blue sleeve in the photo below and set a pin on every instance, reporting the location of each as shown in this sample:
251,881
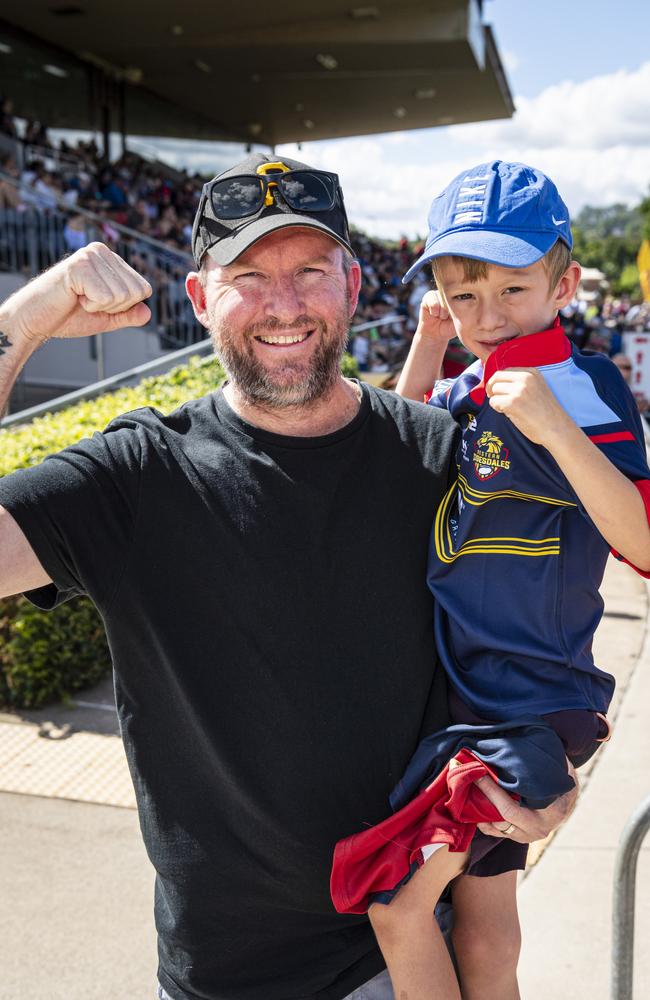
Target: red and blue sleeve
620,438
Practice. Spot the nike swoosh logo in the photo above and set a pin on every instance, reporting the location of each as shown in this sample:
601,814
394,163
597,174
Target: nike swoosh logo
557,222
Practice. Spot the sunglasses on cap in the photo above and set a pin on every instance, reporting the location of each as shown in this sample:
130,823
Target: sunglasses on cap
246,194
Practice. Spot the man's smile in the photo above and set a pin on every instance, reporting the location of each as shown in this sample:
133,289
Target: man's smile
277,340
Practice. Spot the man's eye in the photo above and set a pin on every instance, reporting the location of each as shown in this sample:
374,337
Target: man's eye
311,270
248,274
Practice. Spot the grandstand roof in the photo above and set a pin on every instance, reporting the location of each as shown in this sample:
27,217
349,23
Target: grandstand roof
257,72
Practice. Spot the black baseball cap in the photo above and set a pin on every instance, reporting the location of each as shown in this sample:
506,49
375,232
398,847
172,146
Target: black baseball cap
226,239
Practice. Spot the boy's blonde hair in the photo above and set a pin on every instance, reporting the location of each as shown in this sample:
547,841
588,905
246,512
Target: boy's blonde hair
556,261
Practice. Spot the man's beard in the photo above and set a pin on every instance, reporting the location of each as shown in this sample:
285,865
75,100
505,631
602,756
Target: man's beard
291,383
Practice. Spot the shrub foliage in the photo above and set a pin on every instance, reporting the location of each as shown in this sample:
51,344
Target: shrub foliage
45,656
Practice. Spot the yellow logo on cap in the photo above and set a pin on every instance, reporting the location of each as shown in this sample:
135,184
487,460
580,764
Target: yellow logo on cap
271,168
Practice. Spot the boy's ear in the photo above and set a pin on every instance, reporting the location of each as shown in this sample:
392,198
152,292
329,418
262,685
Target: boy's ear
567,285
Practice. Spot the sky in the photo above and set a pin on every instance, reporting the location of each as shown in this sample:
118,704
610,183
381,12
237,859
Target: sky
579,71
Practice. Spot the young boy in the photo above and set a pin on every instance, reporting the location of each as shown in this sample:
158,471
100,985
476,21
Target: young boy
551,474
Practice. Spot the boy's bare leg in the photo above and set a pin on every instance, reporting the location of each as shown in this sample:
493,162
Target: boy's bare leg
486,936
409,937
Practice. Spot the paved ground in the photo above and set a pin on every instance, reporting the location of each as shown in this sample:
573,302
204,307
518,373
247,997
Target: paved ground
76,887
76,894
566,899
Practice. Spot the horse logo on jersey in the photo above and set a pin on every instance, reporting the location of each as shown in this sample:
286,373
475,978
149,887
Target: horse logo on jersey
490,455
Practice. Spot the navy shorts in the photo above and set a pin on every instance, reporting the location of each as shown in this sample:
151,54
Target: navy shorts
581,731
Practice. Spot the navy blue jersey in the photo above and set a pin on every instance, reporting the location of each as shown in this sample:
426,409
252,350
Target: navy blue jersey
515,562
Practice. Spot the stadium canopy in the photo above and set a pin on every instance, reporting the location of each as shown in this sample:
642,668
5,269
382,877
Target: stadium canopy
264,73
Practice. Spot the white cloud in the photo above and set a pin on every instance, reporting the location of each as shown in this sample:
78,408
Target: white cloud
604,111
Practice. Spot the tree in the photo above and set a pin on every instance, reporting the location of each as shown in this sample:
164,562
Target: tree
644,212
609,238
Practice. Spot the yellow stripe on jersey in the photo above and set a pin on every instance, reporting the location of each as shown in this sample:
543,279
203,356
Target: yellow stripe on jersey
480,496
502,544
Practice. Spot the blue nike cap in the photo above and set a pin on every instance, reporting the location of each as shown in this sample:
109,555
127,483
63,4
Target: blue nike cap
503,213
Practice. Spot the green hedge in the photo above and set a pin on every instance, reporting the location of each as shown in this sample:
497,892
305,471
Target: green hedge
29,445
47,656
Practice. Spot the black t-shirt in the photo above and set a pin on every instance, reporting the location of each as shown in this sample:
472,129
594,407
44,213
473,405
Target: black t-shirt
266,605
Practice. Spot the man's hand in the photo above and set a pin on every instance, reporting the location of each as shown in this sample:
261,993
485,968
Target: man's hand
524,397
528,824
90,292
434,321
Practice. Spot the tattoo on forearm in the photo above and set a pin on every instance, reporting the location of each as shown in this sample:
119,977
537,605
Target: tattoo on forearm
4,343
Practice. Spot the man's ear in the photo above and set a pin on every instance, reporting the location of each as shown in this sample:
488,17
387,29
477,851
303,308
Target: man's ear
354,285
567,285
196,294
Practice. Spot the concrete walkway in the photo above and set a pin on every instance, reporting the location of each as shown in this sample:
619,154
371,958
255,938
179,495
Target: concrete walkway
566,899
76,889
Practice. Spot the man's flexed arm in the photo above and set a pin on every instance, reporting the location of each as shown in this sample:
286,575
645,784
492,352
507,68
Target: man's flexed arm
90,292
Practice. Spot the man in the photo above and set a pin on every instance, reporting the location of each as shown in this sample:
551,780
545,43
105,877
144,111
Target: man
624,364
224,546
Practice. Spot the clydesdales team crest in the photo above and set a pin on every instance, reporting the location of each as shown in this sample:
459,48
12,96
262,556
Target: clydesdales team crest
490,455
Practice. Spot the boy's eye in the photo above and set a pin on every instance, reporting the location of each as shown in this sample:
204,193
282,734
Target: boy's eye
463,297
514,288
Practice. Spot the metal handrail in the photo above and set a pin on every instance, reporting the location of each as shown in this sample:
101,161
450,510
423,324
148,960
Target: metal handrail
624,900
63,161
370,324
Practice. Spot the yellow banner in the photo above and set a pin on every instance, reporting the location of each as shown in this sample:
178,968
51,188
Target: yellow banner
643,263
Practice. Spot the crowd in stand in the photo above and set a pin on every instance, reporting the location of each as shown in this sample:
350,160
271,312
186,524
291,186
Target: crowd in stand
159,202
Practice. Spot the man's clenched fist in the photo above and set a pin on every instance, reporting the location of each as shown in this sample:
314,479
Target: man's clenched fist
90,292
